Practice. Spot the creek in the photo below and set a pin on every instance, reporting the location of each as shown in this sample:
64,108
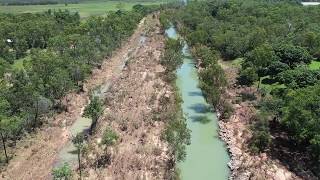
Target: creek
207,156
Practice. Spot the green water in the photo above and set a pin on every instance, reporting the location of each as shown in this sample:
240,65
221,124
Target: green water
207,156
69,154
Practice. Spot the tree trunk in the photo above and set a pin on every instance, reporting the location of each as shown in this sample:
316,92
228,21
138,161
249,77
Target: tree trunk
36,115
4,147
259,82
93,124
79,161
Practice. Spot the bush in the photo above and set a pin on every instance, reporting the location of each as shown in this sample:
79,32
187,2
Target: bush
227,110
247,77
109,137
62,173
212,83
178,135
260,141
248,96
261,135
172,57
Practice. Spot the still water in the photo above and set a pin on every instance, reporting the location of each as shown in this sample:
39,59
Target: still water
207,156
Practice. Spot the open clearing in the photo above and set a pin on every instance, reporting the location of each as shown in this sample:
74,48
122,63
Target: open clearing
86,9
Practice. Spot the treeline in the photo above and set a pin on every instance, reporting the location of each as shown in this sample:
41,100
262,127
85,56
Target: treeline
176,132
62,51
36,2
277,41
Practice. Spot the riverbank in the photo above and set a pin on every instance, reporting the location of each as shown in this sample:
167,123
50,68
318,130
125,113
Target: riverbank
135,109
235,131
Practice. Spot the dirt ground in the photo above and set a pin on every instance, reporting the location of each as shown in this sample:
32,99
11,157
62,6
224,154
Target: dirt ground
35,156
235,132
130,105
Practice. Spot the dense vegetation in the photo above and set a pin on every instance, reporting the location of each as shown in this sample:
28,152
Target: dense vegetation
176,132
58,52
277,41
36,2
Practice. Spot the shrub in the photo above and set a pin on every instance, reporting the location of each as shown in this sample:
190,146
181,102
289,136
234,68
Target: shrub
248,96
227,110
177,134
261,135
247,77
109,137
62,173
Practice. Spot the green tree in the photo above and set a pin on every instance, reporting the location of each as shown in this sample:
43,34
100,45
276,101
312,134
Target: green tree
206,55
177,135
260,58
292,55
21,93
8,126
299,77
198,36
60,84
78,142
172,57
301,115
247,76
4,67
94,111
212,83
41,105
275,68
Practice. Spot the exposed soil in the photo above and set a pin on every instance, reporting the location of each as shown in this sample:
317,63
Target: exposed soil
131,108
235,131
35,156
296,156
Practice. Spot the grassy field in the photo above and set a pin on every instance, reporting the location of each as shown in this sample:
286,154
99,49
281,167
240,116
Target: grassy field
86,8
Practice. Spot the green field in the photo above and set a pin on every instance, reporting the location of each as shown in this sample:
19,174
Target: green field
86,8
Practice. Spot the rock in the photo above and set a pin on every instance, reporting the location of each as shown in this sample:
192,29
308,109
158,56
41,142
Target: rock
237,106
99,140
280,175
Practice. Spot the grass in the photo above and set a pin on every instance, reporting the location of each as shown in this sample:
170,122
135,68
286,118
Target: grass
314,65
18,64
270,87
237,62
85,9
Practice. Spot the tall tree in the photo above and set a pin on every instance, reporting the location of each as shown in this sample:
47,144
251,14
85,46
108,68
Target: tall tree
78,142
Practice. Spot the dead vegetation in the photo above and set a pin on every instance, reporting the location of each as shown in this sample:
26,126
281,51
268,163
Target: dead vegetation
133,110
